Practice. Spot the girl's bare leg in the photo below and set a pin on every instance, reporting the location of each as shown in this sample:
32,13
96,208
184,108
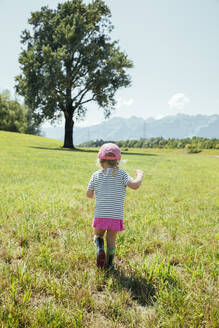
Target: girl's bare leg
111,245
99,232
111,239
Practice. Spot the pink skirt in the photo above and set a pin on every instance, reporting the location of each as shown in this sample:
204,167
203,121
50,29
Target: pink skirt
108,224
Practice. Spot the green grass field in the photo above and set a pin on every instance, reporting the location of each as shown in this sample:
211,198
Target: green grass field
166,260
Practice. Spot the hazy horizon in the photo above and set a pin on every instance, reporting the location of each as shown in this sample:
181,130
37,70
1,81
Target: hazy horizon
120,128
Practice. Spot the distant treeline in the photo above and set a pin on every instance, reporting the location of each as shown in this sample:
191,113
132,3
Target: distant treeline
195,143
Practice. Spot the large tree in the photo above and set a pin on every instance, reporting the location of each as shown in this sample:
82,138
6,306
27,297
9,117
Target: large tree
69,60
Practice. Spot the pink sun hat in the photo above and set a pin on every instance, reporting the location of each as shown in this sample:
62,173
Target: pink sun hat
109,148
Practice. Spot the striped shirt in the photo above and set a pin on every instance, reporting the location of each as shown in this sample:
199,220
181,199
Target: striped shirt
110,192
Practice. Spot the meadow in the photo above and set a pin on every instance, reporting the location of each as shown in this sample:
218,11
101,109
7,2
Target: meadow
166,272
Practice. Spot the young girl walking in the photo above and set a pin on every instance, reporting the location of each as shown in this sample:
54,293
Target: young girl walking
108,186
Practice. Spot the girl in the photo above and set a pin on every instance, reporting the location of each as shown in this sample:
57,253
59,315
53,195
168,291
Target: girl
108,186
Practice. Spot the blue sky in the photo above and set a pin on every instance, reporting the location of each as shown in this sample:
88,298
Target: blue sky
174,45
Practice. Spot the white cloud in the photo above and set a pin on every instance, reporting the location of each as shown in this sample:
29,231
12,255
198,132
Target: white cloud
124,102
178,102
159,117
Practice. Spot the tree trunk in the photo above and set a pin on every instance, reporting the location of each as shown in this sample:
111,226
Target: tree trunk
69,124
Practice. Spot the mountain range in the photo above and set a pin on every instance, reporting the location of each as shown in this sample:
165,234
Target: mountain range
118,128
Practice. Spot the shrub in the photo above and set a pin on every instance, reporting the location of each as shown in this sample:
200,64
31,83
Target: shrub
192,149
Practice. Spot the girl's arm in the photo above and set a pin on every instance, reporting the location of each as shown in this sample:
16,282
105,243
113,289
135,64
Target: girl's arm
135,184
91,193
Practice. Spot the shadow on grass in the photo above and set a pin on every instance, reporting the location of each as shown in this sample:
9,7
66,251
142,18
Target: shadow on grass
88,150
142,291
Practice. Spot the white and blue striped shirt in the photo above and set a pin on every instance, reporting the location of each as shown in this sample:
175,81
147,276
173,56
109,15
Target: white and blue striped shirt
110,192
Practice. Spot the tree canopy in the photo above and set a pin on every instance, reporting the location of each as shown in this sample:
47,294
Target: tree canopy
12,114
15,117
69,60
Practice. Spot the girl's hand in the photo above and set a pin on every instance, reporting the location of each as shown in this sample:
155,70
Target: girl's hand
135,184
139,172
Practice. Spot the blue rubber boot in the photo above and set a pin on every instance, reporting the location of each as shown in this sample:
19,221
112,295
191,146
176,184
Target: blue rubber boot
101,257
